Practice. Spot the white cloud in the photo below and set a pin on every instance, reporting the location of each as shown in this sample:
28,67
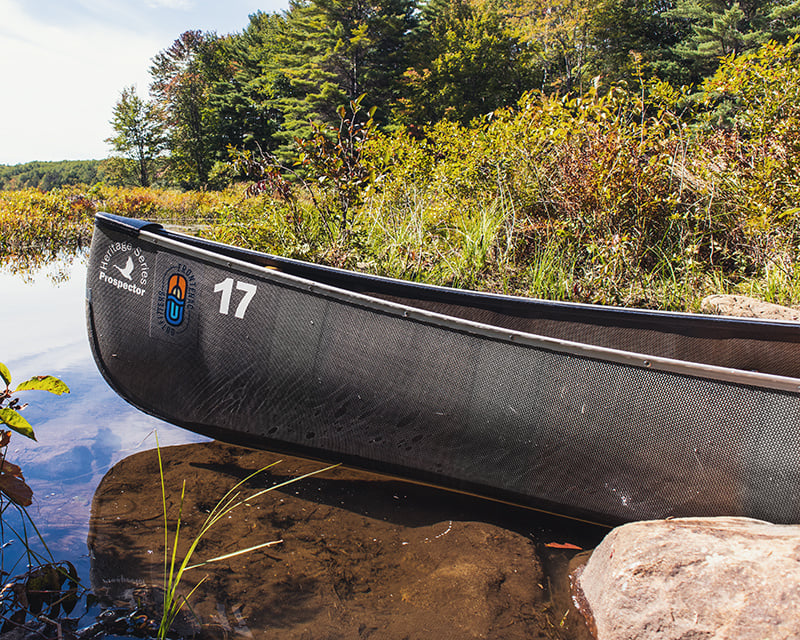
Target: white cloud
62,83
180,5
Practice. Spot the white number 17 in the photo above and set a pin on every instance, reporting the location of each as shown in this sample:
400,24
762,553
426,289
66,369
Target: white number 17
226,289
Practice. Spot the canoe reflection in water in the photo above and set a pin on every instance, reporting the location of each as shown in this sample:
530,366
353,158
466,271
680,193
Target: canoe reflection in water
360,553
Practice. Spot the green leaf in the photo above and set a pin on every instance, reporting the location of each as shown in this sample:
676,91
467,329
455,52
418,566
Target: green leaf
5,374
15,421
240,552
44,383
789,213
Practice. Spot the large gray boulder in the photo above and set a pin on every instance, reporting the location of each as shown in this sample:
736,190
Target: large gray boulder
694,579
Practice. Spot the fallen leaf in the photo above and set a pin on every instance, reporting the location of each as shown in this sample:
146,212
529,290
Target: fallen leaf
16,489
563,545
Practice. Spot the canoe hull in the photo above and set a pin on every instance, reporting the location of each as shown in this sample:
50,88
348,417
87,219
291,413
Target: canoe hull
253,356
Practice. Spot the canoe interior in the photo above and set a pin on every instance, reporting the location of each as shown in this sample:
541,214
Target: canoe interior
320,365
745,344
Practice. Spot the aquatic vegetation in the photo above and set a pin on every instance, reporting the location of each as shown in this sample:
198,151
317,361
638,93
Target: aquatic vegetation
175,566
48,588
36,226
12,484
40,598
14,492
165,205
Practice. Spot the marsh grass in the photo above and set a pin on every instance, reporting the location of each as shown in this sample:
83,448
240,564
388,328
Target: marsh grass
550,273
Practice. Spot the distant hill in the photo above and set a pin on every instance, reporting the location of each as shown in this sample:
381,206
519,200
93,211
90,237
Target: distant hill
48,175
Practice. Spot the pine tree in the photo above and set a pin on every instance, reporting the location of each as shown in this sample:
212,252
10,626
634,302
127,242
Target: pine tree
722,28
784,20
631,39
241,89
333,51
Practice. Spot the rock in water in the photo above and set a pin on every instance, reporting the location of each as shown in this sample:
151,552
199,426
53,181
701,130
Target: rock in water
694,578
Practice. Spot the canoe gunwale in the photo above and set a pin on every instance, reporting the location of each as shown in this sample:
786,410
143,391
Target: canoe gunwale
639,360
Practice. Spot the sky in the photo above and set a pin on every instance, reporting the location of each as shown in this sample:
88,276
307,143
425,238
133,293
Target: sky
63,64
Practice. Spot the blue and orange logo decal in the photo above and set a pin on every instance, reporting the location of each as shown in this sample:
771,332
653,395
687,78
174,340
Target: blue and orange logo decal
173,302
176,300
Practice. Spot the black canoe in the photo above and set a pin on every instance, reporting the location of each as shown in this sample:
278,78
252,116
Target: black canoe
595,412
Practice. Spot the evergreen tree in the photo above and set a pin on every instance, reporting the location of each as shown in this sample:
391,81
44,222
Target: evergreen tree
722,28
631,39
333,51
244,86
139,139
783,20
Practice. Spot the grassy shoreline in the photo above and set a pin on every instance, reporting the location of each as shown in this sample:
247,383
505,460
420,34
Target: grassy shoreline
488,249
653,199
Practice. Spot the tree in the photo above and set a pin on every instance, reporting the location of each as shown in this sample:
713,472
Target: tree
784,20
333,51
721,28
243,86
466,65
558,33
631,39
49,175
139,139
181,89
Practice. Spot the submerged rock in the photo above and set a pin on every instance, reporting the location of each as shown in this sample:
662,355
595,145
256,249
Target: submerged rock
356,555
745,307
701,578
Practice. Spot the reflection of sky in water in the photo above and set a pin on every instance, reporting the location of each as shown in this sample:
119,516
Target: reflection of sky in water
80,435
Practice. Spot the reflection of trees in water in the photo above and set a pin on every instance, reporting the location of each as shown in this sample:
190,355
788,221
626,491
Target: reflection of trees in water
55,264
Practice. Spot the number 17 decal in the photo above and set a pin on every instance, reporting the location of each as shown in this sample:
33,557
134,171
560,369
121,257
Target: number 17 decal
226,289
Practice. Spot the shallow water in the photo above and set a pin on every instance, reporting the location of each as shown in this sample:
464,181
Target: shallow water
359,553
80,436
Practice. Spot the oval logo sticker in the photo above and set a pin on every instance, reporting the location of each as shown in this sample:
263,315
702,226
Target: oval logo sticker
176,300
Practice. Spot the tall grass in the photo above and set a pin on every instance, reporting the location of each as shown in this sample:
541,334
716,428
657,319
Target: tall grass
649,198
35,226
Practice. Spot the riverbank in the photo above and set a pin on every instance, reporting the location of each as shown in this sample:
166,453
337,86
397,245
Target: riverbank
491,248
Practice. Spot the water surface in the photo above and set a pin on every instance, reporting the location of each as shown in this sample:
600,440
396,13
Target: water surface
80,436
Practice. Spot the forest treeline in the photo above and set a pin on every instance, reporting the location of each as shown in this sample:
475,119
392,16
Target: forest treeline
412,64
631,153
45,176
